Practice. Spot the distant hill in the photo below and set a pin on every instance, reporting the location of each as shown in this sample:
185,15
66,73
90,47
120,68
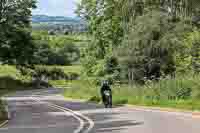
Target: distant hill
58,24
54,19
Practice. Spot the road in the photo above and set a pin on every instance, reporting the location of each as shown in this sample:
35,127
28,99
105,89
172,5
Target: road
44,111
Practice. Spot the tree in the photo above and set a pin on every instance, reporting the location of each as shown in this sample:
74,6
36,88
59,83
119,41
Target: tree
15,40
70,53
43,52
54,50
147,35
193,46
104,25
153,45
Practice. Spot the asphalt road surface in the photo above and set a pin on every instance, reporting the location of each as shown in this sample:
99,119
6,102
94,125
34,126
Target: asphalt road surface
44,111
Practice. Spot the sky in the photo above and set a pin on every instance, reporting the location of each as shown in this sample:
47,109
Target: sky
56,7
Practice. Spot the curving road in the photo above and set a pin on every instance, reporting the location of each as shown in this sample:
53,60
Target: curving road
44,111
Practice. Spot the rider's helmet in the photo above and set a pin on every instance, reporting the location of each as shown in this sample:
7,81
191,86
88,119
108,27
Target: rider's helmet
105,83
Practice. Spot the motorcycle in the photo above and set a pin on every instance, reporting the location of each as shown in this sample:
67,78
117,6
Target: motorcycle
108,99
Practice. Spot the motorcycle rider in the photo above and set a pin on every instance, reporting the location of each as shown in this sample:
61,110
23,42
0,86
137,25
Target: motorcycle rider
105,87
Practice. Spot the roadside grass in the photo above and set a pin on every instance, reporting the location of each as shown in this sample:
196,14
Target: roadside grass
77,89
156,94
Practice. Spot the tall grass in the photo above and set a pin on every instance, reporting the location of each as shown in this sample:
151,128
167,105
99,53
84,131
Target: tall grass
164,93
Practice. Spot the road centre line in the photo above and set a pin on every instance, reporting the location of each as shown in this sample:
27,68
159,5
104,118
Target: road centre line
79,129
91,123
3,124
76,115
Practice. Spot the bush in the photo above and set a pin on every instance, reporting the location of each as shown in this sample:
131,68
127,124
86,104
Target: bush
55,51
184,93
154,51
57,74
10,83
44,72
73,76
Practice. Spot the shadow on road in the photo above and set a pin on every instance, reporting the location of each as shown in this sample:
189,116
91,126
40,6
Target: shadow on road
117,126
111,121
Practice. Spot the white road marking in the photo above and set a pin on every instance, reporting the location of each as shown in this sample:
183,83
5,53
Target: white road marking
91,123
112,128
78,115
37,127
4,123
79,129
179,114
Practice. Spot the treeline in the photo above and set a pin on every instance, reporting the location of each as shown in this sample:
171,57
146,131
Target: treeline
141,40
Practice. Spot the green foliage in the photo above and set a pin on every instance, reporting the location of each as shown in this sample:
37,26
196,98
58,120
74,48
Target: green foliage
193,46
106,31
42,73
151,46
180,9
57,73
147,35
54,50
11,71
45,73
15,40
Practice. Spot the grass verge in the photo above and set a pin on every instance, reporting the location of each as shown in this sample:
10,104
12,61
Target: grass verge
153,94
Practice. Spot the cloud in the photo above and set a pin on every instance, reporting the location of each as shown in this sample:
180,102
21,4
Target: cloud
56,7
